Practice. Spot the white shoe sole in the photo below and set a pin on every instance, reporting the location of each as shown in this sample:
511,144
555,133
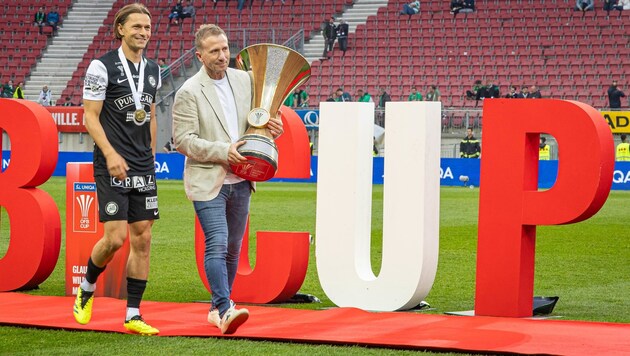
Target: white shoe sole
238,320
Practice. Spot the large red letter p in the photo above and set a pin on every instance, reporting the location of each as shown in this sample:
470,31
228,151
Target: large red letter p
510,205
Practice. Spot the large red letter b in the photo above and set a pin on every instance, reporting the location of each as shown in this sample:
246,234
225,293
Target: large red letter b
35,225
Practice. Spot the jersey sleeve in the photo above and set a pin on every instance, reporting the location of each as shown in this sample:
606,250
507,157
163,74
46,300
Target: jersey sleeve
95,83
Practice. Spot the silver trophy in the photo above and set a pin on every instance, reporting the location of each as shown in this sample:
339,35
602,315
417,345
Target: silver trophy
276,72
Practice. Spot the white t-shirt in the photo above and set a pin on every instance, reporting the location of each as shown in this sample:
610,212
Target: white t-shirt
226,97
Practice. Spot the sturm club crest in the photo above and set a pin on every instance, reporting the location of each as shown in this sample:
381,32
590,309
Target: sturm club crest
111,208
152,81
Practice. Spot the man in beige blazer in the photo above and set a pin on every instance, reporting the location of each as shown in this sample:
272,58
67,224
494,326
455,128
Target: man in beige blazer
209,116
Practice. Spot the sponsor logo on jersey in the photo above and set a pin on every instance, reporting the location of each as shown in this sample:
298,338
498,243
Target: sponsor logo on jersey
151,202
127,102
91,83
142,183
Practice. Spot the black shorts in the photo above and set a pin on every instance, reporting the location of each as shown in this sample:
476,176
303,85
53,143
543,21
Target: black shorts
134,199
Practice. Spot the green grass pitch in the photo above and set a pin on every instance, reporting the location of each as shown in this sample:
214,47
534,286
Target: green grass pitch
585,264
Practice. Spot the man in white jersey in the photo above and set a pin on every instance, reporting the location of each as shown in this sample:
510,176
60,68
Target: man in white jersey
209,116
119,103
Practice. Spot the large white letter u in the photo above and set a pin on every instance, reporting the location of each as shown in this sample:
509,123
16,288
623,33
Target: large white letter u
411,204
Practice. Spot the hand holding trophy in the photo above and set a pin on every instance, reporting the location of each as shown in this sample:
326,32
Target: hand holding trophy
276,71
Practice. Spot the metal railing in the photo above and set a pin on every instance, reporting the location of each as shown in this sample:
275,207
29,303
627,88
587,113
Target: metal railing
187,65
452,119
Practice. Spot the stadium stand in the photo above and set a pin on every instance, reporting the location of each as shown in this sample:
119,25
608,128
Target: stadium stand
21,45
513,42
526,42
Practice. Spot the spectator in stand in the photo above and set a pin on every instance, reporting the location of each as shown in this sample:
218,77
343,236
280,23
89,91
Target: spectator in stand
489,91
272,1
415,94
470,146
464,6
18,93
188,11
289,101
53,19
524,94
534,92
456,5
330,34
342,35
8,90
473,94
411,8
622,5
584,6
68,101
364,97
169,147
164,70
176,12
332,96
609,5
433,94
40,19
513,94
301,98
614,96
340,95
383,98
45,96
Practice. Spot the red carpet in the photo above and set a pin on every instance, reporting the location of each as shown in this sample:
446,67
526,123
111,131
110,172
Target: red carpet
338,326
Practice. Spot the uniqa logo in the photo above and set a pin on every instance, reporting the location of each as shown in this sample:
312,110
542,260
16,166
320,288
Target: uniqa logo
161,167
620,178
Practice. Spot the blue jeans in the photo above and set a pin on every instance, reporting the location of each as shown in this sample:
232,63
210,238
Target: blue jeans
223,220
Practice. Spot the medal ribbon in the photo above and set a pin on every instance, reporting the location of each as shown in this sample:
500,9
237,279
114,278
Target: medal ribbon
132,85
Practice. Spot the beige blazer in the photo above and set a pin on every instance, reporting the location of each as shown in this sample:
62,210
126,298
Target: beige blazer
200,130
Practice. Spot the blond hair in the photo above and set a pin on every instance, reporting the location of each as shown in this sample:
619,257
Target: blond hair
205,31
123,14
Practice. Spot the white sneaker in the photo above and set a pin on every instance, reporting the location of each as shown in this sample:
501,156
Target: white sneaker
213,315
214,318
232,319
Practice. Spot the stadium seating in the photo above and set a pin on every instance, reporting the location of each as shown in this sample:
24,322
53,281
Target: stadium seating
516,42
171,41
21,45
523,42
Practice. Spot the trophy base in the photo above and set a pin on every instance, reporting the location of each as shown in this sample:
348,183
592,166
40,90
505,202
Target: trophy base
262,158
